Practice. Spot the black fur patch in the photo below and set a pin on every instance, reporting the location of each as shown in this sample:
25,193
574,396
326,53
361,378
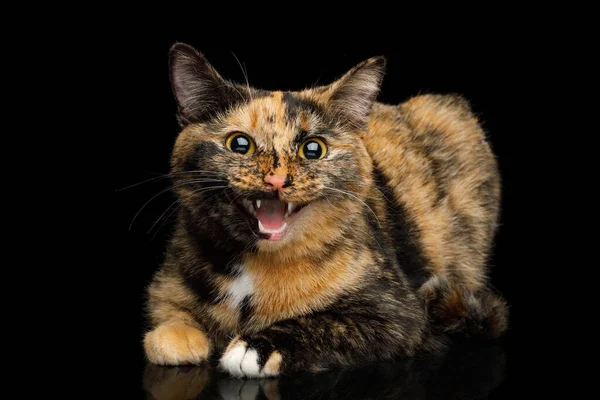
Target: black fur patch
295,105
245,310
304,135
404,234
221,254
301,137
275,159
440,157
202,151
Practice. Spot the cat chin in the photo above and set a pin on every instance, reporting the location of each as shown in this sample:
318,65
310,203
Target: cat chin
271,246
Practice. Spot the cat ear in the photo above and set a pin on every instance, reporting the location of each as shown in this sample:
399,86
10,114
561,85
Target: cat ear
352,96
199,89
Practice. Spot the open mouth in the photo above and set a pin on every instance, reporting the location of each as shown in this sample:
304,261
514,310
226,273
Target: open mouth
273,216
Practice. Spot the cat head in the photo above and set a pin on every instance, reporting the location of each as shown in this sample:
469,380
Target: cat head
269,169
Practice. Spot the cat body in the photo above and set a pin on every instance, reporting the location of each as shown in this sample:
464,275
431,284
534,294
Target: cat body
320,228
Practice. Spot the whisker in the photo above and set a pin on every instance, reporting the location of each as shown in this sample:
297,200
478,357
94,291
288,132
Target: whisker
162,192
167,218
357,198
205,189
231,86
195,171
180,203
245,72
164,176
140,183
162,215
204,180
235,198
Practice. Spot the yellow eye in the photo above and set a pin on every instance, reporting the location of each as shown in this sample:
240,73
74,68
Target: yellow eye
240,143
312,149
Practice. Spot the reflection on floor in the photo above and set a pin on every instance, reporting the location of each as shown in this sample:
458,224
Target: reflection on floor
467,372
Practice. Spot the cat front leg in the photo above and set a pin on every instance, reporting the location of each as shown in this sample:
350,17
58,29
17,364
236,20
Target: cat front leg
320,341
176,337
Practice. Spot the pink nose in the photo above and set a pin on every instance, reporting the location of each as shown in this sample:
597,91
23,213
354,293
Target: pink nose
276,181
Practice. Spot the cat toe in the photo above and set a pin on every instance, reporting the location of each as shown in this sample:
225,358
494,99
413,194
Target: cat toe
233,357
242,360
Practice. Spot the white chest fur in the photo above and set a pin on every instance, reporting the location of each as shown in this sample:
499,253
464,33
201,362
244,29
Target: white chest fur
241,287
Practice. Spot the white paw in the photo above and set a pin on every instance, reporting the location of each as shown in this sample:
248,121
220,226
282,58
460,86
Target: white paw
242,361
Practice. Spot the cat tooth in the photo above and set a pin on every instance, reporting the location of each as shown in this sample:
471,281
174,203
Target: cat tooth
258,203
280,230
290,208
262,229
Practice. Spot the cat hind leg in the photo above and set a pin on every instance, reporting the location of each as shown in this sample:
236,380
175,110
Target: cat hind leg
462,312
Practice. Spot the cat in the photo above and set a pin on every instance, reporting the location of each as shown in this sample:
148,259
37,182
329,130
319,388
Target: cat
320,228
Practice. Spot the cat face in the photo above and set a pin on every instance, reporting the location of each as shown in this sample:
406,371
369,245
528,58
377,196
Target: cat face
265,169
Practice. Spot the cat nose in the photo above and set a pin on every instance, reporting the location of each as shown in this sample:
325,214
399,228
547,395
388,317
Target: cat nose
276,181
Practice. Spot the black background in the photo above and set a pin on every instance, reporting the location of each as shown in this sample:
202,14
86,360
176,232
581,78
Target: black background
496,77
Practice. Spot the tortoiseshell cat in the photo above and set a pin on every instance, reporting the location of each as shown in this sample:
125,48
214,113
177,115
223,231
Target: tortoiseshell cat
319,228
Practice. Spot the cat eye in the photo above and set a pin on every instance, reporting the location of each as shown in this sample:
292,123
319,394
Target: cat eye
312,149
240,143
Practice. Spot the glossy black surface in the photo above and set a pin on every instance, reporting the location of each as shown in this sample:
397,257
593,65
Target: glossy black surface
473,371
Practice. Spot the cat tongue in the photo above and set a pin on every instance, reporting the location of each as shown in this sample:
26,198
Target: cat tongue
271,213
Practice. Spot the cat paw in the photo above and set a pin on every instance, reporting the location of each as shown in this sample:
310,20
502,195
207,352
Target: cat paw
247,358
176,345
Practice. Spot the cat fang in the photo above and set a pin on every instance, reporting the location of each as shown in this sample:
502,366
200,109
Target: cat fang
272,218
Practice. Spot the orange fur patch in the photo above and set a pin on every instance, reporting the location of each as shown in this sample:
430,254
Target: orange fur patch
176,345
273,364
286,288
